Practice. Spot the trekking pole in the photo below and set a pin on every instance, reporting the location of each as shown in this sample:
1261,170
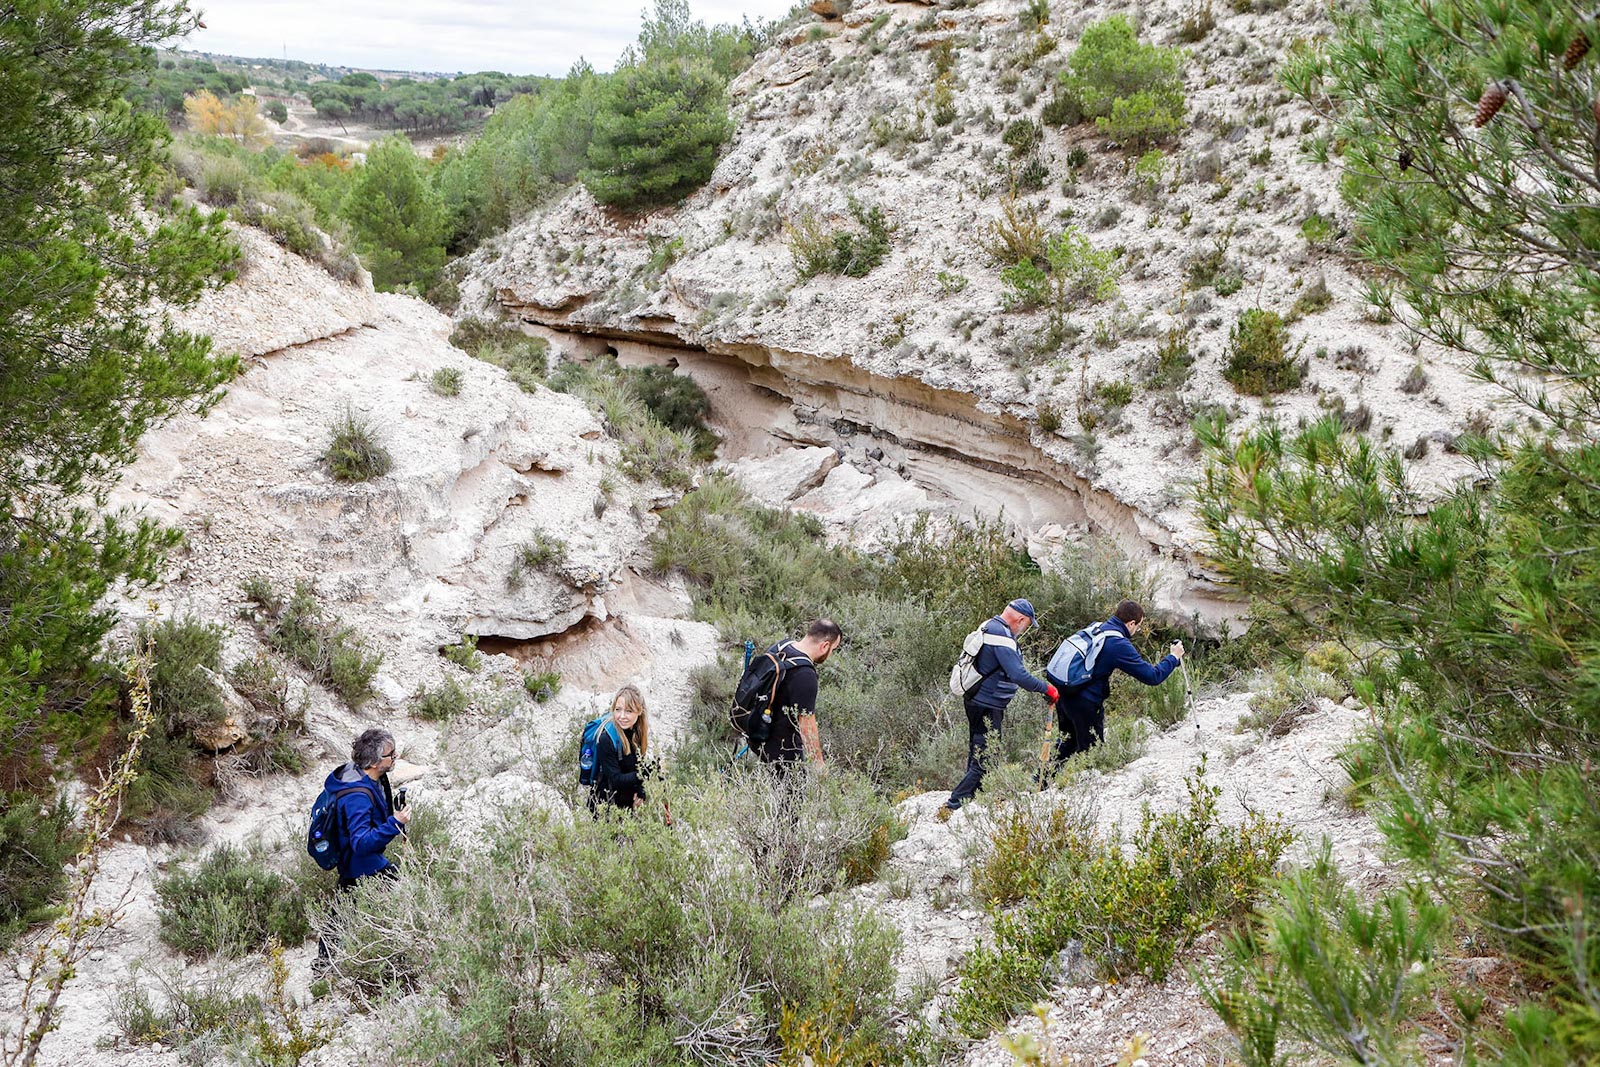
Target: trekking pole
1188,699
1044,745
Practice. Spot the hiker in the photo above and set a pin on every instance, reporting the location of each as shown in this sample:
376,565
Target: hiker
617,753
794,721
1080,711
1000,665
365,818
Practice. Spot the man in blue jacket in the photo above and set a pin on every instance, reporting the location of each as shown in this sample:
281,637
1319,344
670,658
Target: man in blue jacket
367,819
1003,674
1081,713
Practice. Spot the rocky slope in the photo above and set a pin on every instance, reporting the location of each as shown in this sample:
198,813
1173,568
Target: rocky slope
914,374
409,562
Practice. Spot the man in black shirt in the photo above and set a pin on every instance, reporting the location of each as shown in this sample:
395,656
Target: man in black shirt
794,720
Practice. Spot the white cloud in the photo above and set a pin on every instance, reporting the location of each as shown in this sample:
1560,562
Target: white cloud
435,35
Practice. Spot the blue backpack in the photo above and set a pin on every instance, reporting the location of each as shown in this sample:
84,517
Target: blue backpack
588,748
1074,661
322,835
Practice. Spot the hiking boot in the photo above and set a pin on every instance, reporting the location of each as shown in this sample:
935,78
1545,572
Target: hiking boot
944,813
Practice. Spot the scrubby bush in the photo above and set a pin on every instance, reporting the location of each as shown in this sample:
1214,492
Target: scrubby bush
446,381
650,450
614,940
441,703
851,252
174,785
332,652
542,685
1077,271
464,653
353,453
36,843
1133,913
1259,361
525,359
1132,91
1016,237
1288,696
229,901
1022,136
542,553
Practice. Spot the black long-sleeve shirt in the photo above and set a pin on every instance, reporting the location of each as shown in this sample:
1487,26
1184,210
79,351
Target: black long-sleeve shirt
616,777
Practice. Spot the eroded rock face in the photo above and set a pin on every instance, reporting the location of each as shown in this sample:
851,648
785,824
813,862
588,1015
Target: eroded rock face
981,406
437,543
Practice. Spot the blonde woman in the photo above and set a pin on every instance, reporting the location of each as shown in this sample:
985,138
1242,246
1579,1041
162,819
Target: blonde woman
618,750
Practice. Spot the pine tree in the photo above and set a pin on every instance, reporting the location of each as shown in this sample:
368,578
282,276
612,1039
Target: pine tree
657,133
88,358
398,217
1476,616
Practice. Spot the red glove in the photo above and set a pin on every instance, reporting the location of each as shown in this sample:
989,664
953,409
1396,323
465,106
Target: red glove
1051,693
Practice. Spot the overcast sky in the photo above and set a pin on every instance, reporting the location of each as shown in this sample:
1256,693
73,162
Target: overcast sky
443,35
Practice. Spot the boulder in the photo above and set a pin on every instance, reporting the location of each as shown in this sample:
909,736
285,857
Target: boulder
778,479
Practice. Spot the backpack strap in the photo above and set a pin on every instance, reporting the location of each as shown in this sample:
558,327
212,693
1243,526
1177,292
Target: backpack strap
338,810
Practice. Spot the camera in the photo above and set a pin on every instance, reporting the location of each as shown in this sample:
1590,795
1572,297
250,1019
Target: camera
400,798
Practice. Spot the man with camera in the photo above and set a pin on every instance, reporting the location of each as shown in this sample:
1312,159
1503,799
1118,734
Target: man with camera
368,815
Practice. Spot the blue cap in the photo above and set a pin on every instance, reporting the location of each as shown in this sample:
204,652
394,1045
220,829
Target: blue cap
1022,607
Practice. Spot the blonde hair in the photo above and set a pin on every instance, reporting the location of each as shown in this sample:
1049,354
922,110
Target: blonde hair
630,697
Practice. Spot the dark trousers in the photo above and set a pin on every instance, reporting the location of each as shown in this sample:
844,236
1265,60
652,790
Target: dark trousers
980,721
328,942
1080,724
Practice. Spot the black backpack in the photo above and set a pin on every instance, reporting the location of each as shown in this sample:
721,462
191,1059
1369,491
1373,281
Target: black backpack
757,691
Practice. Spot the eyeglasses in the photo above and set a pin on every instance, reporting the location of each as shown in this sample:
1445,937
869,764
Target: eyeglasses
391,754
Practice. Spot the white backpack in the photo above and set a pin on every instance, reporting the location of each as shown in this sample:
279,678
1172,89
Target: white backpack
964,676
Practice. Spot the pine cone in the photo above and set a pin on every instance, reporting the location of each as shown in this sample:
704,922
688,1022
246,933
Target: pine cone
1404,159
1489,104
1576,51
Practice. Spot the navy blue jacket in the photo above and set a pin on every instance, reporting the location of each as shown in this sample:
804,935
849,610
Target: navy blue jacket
1118,654
366,822
1002,666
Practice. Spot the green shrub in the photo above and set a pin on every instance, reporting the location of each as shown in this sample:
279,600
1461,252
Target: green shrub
446,381
525,359
229,901
1259,362
1287,697
1022,136
853,253
194,1012
464,653
397,216
186,659
1132,91
37,840
650,450
1174,363
612,940
331,652
1133,914
676,401
543,552
1327,971
1077,271
226,181
353,453
542,685
441,703
1017,236
1313,299
1318,231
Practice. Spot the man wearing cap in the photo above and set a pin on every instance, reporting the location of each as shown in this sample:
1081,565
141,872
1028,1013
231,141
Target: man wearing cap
1003,673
